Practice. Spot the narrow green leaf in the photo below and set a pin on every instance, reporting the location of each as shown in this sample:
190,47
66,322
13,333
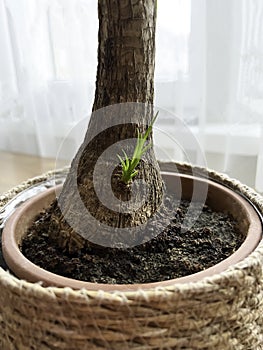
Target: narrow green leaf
134,173
148,131
145,149
129,165
121,160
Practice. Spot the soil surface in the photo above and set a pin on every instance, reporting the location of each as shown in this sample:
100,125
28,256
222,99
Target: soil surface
173,253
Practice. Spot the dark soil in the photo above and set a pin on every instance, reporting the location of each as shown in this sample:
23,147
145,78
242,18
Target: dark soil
171,254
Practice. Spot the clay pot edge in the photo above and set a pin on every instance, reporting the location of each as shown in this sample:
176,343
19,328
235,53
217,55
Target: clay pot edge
25,269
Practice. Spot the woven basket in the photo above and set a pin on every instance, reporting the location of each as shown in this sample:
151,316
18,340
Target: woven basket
222,312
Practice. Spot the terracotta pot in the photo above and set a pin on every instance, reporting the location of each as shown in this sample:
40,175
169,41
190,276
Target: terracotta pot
218,197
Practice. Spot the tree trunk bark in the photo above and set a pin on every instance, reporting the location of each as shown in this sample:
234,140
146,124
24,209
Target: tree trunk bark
126,52
95,207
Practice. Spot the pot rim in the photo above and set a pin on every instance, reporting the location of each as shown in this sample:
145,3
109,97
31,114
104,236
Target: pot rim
25,269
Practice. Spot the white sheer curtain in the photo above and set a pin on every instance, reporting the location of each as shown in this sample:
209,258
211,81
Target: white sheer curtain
209,72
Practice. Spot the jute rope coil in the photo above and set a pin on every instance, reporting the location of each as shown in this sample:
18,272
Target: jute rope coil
223,312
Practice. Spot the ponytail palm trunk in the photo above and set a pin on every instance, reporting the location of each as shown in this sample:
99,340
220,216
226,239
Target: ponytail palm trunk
125,74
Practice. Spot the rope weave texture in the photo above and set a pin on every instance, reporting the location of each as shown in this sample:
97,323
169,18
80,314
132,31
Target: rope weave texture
224,312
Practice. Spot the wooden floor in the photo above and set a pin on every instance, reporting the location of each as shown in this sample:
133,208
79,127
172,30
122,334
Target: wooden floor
15,168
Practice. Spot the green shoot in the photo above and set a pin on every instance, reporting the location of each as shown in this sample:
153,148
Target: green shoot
129,165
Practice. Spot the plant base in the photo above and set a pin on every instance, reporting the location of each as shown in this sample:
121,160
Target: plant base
221,312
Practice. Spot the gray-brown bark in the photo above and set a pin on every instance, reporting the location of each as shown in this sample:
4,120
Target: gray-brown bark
126,52
125,74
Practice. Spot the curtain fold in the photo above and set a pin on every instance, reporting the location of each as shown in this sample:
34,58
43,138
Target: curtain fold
209,75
